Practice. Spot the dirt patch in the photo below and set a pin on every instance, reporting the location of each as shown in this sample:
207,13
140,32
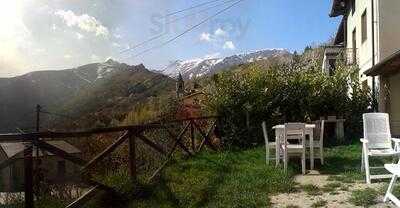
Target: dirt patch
334,193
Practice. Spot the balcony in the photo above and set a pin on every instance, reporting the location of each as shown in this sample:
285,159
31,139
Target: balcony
335,53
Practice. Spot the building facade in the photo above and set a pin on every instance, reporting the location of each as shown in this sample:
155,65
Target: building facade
369,35
51,168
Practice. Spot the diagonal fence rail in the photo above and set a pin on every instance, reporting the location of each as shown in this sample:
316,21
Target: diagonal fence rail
187,141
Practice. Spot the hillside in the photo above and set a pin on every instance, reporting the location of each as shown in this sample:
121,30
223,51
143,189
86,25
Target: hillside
77,92
113,97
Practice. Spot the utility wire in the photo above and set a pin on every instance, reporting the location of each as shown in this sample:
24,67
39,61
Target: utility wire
59,115
200,11
23,116
186,31
170,22
192,7
73,120
142,43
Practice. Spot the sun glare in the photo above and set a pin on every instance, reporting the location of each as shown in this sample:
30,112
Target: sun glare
10,16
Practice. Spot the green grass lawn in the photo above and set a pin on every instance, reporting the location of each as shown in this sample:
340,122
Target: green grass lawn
226,179
241,179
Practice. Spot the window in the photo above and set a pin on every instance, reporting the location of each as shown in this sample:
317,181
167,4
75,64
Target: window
353,6
354,43
364,26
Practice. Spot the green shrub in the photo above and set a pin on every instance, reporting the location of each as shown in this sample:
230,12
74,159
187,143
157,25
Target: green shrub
284,93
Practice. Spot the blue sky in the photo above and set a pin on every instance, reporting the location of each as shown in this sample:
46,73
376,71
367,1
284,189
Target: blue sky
58,34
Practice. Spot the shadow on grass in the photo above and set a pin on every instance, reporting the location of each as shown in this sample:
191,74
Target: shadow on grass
344,163
225,179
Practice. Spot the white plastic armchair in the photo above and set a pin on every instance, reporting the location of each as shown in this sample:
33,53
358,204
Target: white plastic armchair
269,146
377,142
294,131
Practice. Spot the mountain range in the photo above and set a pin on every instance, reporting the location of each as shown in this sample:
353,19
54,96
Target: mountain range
98,93
105,88
199,67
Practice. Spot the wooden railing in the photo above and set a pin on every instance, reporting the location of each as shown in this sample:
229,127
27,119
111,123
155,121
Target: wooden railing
127,133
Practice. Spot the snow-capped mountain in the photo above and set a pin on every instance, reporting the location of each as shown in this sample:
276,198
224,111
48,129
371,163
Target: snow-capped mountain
99,71
200,67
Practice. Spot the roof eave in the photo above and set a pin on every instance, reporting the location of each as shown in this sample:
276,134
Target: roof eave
339,37
389,65
338,8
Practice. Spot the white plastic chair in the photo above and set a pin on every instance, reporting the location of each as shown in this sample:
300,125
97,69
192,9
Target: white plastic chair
377,142
268,145
294,131
318,140
395,170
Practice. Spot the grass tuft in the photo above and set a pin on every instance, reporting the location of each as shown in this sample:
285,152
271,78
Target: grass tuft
331,187
319,203
292,206
311,189
365,197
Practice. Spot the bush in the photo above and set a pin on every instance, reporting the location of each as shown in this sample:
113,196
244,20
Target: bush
284,93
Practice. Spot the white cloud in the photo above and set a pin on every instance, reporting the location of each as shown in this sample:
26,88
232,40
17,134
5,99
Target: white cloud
218,36
116,44
118,36
212,56
220,32
40,50
79,36
205,37
229,45
84,22
94,58
67,56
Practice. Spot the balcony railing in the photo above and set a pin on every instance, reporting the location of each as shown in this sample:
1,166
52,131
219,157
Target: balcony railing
349,56
352,56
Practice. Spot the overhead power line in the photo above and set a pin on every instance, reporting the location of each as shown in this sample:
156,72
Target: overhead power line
144,42
200,11
59,115
170,22
186,31
192,7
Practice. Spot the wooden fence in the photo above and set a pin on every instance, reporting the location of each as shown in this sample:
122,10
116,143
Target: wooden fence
127,133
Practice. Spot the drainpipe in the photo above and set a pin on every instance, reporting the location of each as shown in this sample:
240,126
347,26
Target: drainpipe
374,101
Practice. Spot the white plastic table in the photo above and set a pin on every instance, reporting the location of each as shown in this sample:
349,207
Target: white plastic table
279,131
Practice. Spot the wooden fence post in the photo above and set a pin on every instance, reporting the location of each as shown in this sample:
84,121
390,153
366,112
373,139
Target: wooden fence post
28,163
192,139
132,157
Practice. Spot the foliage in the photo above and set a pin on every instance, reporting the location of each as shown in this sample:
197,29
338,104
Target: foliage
107,101
164,107
294,92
